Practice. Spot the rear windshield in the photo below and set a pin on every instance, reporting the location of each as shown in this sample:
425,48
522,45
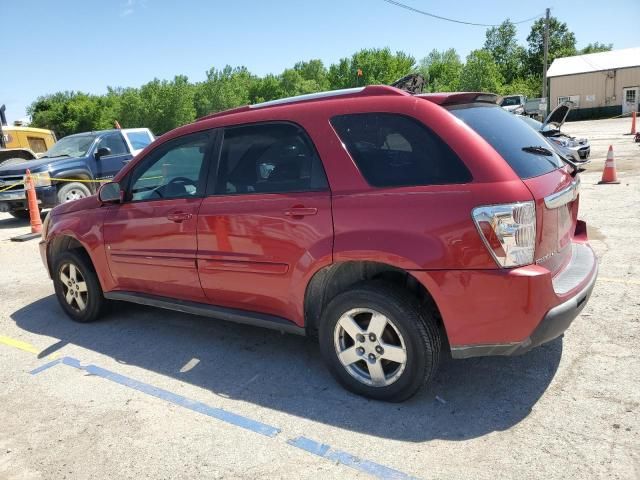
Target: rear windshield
524,149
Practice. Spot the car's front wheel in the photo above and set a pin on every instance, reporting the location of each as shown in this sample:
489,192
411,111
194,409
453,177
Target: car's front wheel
72,191
377,341
77,287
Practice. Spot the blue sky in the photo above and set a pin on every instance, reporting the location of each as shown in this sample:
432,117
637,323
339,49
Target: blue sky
88,45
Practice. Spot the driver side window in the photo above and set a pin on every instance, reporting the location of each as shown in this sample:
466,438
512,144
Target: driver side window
172,171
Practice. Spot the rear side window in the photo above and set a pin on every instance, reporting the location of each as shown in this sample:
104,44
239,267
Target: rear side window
393,150
139,140
269,158
524,149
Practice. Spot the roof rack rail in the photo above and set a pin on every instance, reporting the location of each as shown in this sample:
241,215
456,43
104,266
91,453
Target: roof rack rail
370,90
365,91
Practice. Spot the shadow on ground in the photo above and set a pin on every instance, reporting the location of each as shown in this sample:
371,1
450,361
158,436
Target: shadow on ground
12,222
285,372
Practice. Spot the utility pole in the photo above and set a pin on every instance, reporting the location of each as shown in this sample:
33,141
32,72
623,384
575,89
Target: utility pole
546,59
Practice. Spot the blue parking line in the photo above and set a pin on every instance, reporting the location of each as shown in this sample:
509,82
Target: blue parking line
42,368
311,446
344,458
218,413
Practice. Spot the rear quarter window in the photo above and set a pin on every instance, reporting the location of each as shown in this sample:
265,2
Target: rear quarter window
393,150
509,135
139,140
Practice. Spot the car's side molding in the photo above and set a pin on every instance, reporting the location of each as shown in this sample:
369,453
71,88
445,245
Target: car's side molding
205,310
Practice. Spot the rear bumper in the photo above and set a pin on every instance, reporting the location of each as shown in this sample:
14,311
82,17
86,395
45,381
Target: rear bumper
509,312
554,324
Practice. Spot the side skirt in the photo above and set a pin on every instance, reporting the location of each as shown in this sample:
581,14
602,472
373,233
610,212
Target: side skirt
205,310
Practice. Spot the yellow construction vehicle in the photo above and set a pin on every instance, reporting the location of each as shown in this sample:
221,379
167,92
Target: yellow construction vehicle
19,144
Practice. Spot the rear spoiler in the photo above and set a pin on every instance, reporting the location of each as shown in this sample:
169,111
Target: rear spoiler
459,98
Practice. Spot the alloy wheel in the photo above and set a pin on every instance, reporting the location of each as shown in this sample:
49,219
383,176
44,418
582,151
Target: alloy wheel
370,347
74,287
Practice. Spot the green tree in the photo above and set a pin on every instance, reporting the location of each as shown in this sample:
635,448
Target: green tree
501,42
480,73
378,66
168,104
596,47
562,43
530,86
223,89
441,70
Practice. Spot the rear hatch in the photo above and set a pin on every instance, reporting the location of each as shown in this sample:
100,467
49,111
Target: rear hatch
550,181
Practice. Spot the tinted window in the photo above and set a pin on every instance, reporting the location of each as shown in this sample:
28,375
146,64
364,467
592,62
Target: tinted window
172,171
510,137
115,143
393,150
139,140
274,157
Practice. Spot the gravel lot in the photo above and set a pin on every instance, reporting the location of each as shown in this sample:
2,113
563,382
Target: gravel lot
568,409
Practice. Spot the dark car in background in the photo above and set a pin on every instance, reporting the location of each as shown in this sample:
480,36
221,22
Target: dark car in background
71,169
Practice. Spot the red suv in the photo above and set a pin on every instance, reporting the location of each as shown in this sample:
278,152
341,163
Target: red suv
388,225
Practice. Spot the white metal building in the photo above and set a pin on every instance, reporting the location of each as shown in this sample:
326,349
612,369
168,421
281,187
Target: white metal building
600,84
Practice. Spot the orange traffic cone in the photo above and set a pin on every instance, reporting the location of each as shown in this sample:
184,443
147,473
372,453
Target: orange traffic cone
609,174
633,123
34,211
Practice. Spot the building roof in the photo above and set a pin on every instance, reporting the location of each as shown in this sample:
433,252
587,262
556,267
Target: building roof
595,62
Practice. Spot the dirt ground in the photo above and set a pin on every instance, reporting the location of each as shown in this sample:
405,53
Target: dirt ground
148,393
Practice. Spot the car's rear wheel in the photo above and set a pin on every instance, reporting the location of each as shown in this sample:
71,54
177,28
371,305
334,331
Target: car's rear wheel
377,341
77,287
72,191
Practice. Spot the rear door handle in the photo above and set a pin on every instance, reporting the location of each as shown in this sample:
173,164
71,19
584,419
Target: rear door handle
300,211
179,216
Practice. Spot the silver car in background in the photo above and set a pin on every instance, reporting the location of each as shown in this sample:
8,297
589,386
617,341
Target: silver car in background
575,149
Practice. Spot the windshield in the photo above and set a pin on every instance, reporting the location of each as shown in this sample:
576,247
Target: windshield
525,150
73,146
510,101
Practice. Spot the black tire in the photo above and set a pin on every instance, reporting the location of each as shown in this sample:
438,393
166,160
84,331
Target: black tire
93,299
417,329
68,192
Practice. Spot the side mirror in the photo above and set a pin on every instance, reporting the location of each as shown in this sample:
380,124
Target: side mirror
103,152
110,193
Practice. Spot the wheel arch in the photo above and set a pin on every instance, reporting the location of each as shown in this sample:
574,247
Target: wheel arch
64,242
76,174
327,282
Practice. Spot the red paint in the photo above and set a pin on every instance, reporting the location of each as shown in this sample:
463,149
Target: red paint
259,251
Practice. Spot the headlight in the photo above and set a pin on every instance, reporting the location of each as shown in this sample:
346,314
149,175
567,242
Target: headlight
42,179
508,231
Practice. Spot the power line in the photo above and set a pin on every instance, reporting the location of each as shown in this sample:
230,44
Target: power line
422,12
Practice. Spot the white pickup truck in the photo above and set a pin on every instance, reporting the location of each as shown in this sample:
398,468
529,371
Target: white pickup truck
521,105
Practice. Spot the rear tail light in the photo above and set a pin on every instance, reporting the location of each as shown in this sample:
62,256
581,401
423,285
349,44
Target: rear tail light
508,231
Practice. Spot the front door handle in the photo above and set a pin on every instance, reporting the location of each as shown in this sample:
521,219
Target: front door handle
124,162
300,211
179,216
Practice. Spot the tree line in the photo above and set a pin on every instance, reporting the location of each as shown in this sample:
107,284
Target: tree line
502,66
